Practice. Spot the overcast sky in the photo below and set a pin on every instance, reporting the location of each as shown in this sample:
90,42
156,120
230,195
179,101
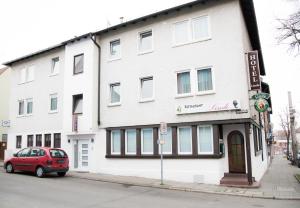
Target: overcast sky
31,25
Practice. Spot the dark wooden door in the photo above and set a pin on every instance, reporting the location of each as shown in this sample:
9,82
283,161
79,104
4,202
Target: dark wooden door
2,149
236,152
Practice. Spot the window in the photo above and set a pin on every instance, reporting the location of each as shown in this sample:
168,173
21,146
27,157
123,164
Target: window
29,107
19,142
4,137
115,97
147,141
147,88
183,83
181,32
205,82
200,28
205,140
167,147
191,30
145,42
131,141
57,153
55,66
24,152
38,140
21,107
184,140
29,140
115,49
115,142
23,75
53,103
30,73
78,63
47,140
34,152
77,104
57,140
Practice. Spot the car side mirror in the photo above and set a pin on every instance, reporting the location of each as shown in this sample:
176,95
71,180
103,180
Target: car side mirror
15,155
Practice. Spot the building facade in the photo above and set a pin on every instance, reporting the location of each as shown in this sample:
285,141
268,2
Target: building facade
113,88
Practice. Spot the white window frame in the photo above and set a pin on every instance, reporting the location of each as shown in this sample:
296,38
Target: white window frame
111,143
142,142
116,57
213,81
110,91
191,84
191,31
198,140
178,141
27,101
159,137
52,72
139,42
24,108
53,95
22,75
142,100
126,152
32,67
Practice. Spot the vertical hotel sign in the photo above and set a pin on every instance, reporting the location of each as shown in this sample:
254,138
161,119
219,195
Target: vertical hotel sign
254,72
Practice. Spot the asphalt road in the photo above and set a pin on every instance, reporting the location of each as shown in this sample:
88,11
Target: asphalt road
25,190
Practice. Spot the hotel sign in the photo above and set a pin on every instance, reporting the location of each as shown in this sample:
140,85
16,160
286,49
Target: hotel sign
254,72
208,107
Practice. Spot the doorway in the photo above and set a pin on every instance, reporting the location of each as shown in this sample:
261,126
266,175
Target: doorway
81,155
236,152
3,146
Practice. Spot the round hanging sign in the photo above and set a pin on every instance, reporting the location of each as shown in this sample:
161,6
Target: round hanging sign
261,105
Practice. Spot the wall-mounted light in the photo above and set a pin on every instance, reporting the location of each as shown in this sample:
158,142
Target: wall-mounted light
69,141
92,140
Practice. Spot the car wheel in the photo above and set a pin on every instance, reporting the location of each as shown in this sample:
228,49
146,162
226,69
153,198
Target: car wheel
61,174
9,168
39,172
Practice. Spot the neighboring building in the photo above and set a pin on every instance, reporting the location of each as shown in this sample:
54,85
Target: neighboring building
298,137
104,103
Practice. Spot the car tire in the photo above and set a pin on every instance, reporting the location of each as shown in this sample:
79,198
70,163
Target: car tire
9,168
61,174
39,172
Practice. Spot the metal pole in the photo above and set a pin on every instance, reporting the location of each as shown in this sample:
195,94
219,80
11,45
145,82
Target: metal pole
292,126
161,163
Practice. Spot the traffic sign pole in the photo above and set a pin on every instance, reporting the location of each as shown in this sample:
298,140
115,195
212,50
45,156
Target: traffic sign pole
161,164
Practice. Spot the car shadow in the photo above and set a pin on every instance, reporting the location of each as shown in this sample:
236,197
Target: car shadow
48,175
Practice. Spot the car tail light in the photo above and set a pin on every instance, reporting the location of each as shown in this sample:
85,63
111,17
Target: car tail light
49,162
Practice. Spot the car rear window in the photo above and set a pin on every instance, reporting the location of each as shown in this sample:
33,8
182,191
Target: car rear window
57,153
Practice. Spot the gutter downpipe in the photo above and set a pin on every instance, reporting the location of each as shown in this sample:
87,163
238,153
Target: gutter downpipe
99,75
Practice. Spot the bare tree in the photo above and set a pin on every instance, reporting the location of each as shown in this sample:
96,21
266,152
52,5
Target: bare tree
290,31
285,125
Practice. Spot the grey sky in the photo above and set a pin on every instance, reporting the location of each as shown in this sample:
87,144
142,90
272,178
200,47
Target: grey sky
31,25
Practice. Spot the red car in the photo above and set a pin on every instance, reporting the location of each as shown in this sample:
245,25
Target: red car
39,160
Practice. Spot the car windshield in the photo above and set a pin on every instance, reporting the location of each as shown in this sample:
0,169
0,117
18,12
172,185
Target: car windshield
57,153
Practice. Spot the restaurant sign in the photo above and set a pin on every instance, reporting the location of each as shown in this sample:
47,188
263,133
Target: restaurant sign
208,107
254,72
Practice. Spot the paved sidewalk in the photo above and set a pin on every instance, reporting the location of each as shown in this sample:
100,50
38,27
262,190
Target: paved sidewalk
278,183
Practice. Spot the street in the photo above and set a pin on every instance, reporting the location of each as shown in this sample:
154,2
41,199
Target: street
25,190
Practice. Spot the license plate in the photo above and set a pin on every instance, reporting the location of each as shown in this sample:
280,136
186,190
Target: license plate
60,161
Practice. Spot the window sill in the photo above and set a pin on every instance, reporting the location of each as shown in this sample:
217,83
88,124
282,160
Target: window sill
53,112
184,95
210,92
29,115
114,59
214,156
21,116
114,104
191,42
21,83
145,52
54,74
146,100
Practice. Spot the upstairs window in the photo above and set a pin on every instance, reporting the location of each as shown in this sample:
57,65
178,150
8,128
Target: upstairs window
205,82
181,32
53,102
21,105
200,28
78,64
115,49
115,97
183,83
77,104
145,42
29,107
147,88
27,74
55,66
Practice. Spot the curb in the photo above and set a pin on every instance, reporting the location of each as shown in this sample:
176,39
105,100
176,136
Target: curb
185,189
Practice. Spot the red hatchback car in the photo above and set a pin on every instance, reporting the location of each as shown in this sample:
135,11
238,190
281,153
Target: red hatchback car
39,160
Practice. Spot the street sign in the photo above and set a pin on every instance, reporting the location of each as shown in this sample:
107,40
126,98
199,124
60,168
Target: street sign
5,123
163,128
261,95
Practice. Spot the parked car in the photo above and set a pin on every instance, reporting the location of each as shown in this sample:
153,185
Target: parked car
39,160
298,158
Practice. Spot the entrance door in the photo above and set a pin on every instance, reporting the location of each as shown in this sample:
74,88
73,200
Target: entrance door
236,152
81,158
2,150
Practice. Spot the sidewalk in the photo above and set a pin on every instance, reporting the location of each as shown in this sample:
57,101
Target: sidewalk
1,163
278,183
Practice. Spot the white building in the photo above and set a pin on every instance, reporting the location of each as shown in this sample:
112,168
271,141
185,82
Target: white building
102,96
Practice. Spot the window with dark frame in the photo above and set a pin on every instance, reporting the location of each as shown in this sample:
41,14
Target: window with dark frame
47,140
77,104
38,140
57,140
29,140
19,142
78,64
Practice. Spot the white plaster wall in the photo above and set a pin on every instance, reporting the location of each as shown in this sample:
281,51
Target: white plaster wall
4,103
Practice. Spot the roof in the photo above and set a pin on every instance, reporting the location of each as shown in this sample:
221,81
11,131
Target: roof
3,70
247,10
